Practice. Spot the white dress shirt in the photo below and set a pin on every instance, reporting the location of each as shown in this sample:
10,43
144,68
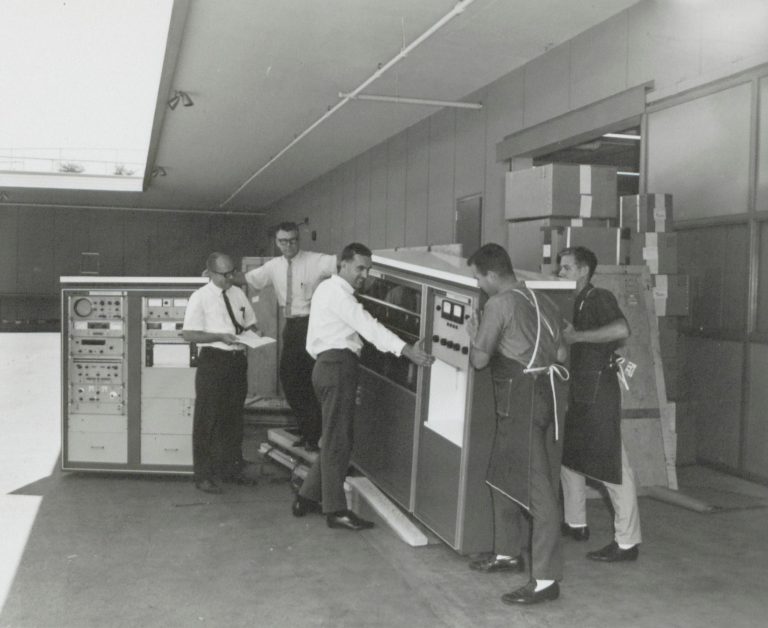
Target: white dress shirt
337,320
308,269
206,311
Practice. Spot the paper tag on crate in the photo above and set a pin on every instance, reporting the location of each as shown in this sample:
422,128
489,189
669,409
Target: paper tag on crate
546,250
585,206
585,180
660,287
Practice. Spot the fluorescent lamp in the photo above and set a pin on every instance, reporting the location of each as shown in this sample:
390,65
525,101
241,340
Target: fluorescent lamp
628,174
622,136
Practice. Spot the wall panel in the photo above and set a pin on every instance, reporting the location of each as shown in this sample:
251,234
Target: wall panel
36,245
470,151
106,236
378,227
504,103
72,238
441,177
363,198
8,251
598,61
396,167
756,441
547,85
348,211
699,152
139,229
761,202
417,185
715,387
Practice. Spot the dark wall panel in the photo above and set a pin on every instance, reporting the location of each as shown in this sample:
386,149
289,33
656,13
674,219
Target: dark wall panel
107,235
756,450
72,239
8,252
715,387
139,232
36,237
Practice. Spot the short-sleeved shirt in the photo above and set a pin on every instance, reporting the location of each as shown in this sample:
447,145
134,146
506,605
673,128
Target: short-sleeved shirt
509,326
594,308
207,311
308,270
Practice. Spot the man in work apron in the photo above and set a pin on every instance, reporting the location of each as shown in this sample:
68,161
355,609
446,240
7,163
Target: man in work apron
592,445
519,337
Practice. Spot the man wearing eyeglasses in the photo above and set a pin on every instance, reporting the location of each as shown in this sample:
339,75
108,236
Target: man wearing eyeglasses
215,315
294,276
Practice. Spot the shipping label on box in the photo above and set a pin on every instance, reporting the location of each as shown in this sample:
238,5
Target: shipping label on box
572,190
671,295
609,244
646,212
658,251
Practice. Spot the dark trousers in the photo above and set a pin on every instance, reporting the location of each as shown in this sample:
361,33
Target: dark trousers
510,527
217,433
335,380
296,378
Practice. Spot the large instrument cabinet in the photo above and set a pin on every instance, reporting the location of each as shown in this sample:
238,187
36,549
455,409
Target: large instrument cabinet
127,374
424,435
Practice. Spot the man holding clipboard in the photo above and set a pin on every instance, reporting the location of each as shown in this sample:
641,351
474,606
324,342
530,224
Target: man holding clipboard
216,315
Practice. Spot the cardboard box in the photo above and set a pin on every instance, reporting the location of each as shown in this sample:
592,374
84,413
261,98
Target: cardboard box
672,295
646,212
658,251
571,190
609,244
525,238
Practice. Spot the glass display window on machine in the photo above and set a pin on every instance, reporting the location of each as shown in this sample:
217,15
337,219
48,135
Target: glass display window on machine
396,305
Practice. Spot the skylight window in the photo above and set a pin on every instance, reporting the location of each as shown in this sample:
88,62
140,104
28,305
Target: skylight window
79,82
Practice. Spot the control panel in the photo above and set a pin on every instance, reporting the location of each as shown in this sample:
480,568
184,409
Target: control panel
96,383
450,338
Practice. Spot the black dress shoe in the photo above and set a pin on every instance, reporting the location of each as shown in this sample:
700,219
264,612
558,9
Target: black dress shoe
494,563
529,595
301,506
349,520
207,486
576,533
612,553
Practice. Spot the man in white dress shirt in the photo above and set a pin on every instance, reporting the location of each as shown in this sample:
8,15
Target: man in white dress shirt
214,316
336,322
294,276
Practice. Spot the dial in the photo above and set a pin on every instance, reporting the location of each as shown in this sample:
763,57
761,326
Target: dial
83,307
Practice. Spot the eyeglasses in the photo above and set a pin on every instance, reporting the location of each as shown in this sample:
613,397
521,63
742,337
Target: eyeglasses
227,274
286,241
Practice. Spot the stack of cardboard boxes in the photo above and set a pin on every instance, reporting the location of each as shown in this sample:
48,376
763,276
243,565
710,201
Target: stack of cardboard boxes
558,205
649,219
551,207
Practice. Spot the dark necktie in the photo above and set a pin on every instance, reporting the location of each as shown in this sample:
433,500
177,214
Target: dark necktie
289,290
238,327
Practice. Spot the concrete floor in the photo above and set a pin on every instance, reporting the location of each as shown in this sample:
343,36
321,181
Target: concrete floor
114,551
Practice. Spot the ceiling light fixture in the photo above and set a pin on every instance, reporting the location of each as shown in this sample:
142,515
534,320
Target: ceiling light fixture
628,174
179,97
623,136
413,101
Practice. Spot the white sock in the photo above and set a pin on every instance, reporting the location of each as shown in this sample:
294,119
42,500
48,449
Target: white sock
576,525
624,546
543,584
503,557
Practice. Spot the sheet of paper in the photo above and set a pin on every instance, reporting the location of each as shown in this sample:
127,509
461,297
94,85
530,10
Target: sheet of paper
250,339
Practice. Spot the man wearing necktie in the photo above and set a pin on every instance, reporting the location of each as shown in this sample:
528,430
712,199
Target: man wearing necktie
294,276
215,315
